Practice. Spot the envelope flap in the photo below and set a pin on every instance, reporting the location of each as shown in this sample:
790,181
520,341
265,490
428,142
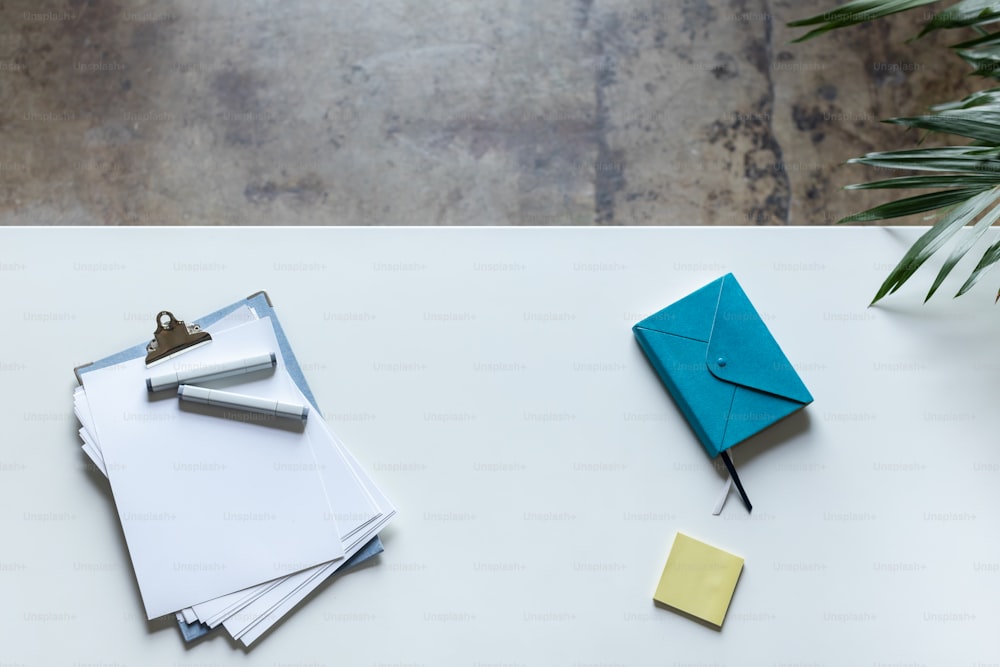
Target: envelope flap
743,351
690,317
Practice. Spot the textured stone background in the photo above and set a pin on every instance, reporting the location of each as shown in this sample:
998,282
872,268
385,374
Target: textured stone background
438,112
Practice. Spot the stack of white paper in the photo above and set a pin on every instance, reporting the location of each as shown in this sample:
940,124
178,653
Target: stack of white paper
230,519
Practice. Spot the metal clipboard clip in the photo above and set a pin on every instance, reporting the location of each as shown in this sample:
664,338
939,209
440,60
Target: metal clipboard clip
173,337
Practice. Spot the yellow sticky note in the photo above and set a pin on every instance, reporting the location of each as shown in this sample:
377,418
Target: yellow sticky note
699,579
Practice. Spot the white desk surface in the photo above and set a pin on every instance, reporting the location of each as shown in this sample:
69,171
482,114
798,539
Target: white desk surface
490,381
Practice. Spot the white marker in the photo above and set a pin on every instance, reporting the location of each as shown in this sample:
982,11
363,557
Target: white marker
209,372
227,399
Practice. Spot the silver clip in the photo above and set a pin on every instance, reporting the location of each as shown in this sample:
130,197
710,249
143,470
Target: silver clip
173,337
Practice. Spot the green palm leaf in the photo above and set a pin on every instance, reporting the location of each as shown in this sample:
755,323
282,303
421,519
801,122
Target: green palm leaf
962,159
852,13
933,239
989,99
963,181
967,178
913,205
990,258
980,124
965,13
985,60
965,244
984,40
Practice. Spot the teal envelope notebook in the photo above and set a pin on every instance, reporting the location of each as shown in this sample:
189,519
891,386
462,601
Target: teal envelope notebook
722,366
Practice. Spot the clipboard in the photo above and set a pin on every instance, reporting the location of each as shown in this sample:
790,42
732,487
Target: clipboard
172,346
259,301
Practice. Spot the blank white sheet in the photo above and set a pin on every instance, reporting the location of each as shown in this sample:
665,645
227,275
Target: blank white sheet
252,629
354,511
253,507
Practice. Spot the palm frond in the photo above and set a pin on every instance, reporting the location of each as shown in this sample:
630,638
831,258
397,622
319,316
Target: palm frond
980,124
913,205
988,39
934,238
965,244
959,15
990,257
967,178
985,60
989,99
853,13
943,181
964,14
961,159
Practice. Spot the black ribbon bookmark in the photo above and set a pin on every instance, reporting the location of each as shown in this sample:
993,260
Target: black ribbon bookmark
736,478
